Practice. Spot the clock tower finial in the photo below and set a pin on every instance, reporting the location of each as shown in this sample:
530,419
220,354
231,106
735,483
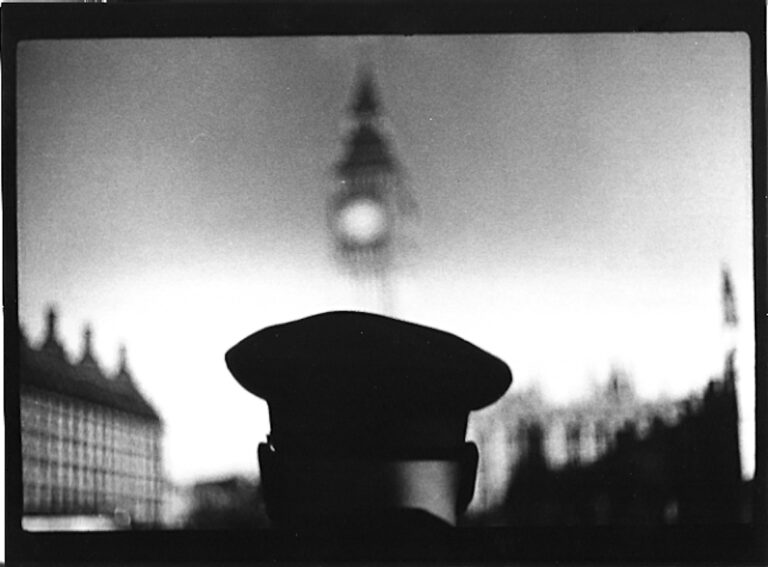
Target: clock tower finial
365,104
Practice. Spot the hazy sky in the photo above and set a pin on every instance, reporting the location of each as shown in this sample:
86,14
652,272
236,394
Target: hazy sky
578,196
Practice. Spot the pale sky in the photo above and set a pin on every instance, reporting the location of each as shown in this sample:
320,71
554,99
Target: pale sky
578,196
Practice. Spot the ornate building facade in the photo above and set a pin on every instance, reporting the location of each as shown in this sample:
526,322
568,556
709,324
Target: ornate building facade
613,459
577,434
91,443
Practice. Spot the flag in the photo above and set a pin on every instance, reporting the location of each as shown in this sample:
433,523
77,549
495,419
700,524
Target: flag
730,318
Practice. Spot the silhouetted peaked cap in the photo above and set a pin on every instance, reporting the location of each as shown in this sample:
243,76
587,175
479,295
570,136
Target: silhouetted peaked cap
356,383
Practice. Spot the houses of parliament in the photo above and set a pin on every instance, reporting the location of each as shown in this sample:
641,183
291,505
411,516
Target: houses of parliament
91,442
612,458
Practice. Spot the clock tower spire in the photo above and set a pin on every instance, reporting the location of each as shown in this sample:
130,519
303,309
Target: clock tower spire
370,198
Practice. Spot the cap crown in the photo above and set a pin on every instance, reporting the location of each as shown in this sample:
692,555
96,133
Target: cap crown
353,378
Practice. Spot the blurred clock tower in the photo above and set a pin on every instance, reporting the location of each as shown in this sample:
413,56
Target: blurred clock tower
369,201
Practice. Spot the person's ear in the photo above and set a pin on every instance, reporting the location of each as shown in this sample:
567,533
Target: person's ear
468,464
269,465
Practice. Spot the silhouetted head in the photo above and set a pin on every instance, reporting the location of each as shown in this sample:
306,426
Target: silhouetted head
368,415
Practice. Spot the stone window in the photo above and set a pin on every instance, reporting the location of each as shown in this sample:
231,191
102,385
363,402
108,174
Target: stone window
573,442
602,438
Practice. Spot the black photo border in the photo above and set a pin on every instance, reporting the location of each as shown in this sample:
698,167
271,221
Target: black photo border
731,543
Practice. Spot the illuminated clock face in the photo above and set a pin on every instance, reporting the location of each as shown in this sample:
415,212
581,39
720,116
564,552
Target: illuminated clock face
362,221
